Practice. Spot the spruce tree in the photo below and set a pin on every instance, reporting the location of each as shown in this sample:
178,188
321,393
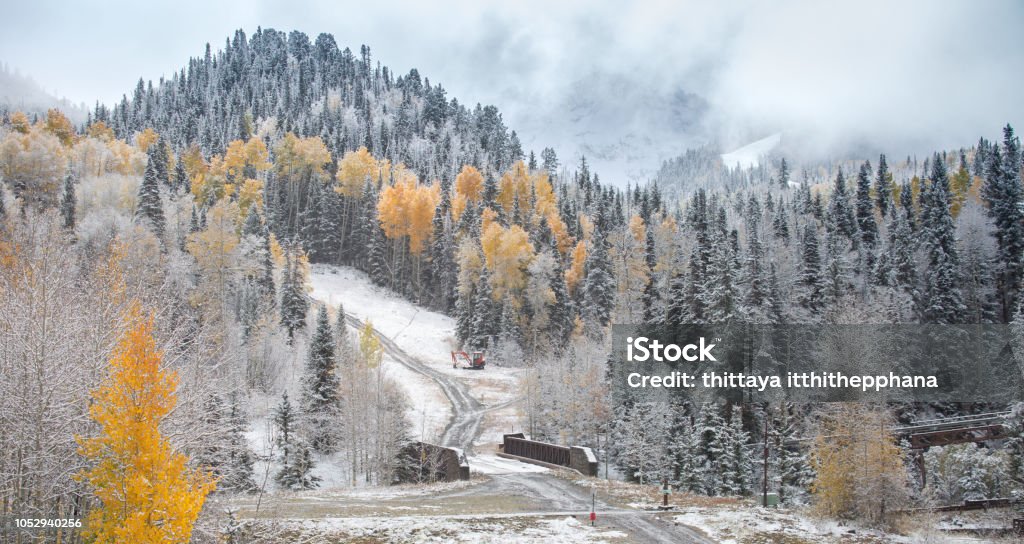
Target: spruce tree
68,202
294,304
320,387
181,181
651,296
811,295
840,212
866,208
1003,194
784,174
883,186
941,301
486,313
598,287
150,207
295,458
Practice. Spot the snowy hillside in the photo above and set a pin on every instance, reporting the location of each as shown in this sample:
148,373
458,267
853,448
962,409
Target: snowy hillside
750,155
429,337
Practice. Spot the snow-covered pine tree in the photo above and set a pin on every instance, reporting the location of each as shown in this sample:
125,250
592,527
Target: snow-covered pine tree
486,313
712,446
865,207
941,300
784,174
791,462
735,464
840,212
295,458
444,273
598,287
294,303
1003,193
181,181
883,186
150,207
719,289
68,202
811,295
320,388
651,298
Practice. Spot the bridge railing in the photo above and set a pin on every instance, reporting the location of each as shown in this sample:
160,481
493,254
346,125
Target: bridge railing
578,458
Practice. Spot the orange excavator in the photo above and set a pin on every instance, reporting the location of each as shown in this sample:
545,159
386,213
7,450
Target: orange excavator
474,362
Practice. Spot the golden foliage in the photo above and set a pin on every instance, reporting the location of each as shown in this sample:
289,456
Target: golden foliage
127,160
507,253
300,158
407,209
148,493
514,188
241,156
59,125
561,232
100,131
36,160
214,247
469,183
145,139
370,347
248,194
458,207
574,274
355,168
545,204
20,122
858,467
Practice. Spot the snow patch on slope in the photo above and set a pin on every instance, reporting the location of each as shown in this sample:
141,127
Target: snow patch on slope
750,155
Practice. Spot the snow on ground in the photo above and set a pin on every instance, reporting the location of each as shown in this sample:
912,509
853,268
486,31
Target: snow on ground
428,336
429,410
492,464
750,155
753,524
436,529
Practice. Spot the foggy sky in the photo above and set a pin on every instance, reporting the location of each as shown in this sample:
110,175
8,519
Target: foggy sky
601,77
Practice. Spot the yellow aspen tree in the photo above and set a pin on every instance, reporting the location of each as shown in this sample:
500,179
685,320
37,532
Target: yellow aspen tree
59,125
369,345
574,274
507,253
458,206
506,192
300,158
355,167
407,209
245,159
545,204
100,131
147,492
145,139
20,122
469,183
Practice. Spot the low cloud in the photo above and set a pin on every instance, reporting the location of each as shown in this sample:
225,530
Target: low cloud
632,83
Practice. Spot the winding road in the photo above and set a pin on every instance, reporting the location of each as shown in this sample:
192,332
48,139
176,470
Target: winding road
545,493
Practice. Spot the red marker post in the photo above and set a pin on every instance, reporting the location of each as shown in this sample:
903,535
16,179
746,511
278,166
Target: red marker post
593,507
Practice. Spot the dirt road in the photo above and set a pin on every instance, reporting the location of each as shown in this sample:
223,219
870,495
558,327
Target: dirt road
515,491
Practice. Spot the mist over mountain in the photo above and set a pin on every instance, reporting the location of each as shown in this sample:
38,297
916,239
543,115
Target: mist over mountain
606,80
20,92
